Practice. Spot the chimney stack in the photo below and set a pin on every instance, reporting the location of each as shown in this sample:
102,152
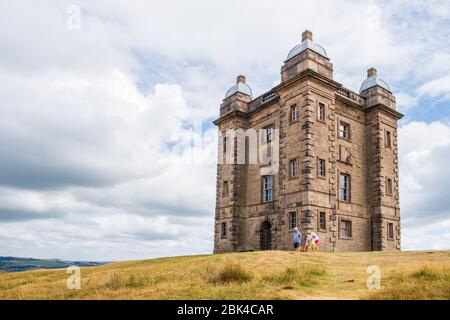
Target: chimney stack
371,72
240,78
306,35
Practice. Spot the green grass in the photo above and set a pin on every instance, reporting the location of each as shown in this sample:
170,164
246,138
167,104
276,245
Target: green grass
118,281
426,274
250,275
231,272
291,278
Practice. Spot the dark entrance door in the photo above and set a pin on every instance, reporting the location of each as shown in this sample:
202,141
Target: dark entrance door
266,236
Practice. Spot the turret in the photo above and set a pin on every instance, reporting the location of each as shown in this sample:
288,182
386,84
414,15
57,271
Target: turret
237,97
307,55
376,91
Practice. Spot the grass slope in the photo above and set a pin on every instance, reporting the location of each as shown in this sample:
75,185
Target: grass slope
251,275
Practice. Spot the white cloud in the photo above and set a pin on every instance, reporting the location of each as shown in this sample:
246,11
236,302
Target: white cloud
405,101
424,184
439,88
435,236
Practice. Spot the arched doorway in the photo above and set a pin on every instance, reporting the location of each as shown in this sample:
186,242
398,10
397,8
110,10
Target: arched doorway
266,236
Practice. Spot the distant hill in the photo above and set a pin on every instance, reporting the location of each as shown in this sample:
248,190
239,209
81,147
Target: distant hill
249,275
14,264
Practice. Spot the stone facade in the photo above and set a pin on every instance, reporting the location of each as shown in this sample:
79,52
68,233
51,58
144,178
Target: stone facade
336,165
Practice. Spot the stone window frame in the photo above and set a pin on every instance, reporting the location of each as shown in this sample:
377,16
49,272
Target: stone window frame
295,214
387,139
225,188
389,187
263,133
345,124
349,187
319,226
224,143
389,237
319,104
263,188
296,107
324,168
269,129
290,168
345,237
223,230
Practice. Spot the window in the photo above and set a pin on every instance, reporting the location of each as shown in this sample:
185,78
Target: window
267,155
293,168
390,231
344,187
322,221
223,230
321,168
268,134
225,188
389,187
321,112
292,219
294,113
388,140
224,144
346,228
344,130
267,188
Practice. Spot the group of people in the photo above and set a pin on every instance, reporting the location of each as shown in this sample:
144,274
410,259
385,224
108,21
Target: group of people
310,240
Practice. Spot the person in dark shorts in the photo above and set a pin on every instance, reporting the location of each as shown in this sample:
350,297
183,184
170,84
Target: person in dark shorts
297,239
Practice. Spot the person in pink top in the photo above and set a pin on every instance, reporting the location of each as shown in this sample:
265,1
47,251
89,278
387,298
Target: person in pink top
310,238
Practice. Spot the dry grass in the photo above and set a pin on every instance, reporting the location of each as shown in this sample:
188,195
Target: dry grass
251,275
426,283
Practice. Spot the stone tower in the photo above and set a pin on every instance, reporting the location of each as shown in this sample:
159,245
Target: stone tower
309,153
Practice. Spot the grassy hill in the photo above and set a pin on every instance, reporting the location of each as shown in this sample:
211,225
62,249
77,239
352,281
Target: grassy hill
251,275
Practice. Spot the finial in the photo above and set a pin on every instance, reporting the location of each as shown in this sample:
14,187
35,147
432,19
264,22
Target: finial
306,35
240,78
372,72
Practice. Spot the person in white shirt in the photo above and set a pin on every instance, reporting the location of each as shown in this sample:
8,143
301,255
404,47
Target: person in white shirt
312,240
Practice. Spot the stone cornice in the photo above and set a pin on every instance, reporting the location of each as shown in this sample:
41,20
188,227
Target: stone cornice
234,113
307,73
385,108
349,102
315,75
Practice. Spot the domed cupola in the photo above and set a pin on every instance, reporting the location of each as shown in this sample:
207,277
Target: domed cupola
307,56
240,87
307,43
372,80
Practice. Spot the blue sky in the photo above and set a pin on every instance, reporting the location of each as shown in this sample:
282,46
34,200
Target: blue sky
98,110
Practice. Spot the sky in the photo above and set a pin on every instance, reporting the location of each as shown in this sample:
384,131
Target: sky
107,150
